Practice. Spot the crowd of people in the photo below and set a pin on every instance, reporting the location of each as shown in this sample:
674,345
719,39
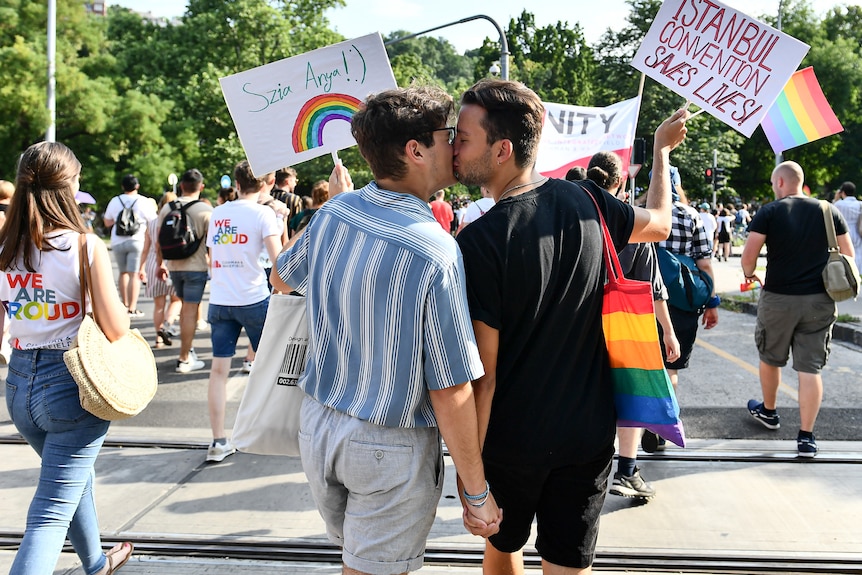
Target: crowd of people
486,339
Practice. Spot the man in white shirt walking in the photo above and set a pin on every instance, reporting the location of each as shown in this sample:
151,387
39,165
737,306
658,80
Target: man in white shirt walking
851,208
127,240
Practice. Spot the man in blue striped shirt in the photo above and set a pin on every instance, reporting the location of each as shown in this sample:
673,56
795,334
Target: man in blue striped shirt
392,351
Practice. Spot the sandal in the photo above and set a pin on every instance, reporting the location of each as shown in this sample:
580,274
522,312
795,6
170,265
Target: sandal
110,555
159,342
165,336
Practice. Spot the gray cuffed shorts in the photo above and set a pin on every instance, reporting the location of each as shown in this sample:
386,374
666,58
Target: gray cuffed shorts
377,488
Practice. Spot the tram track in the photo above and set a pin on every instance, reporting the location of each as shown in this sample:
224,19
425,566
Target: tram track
675,455
628,560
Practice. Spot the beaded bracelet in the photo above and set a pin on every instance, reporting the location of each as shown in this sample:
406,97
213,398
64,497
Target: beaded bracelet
478,500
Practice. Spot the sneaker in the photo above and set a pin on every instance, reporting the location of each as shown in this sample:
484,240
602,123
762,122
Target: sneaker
755,408
806,447
650,442
246,366
218,451
633,486
171,329
135,313
191,364
202,325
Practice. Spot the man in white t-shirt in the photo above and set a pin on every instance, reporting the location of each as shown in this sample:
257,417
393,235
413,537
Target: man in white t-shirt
851,208
477,209
239,295
128,244
710,224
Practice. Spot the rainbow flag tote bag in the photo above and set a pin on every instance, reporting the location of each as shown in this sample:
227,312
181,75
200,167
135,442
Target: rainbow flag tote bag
643,393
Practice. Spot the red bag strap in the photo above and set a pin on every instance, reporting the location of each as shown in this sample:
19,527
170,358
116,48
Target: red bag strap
612,261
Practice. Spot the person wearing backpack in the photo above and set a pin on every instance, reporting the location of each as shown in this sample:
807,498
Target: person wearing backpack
186,260
691,248
129,214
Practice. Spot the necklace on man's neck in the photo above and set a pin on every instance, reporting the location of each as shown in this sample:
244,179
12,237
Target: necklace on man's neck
518,187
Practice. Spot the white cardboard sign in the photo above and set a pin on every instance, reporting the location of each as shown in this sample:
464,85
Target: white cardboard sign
719,58
296,109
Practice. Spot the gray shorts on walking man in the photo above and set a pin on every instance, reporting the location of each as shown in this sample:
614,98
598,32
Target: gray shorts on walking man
801,322
376,487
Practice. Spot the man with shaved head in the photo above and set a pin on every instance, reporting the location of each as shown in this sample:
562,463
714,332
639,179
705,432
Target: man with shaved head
794,311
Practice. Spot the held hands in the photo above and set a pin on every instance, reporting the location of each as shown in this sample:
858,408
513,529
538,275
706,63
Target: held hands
339,180
672,131
483,521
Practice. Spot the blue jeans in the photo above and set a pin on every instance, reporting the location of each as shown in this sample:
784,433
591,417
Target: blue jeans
42,399
189,286
226,322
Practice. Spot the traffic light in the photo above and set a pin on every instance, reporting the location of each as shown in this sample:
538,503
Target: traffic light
718,179
708,174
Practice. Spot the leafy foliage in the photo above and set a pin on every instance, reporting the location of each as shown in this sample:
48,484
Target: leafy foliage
143,97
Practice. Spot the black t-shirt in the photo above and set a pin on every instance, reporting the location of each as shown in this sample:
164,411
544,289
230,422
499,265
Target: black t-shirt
535,272
796,244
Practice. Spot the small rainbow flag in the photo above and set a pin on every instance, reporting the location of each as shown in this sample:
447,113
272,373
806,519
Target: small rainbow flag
800,115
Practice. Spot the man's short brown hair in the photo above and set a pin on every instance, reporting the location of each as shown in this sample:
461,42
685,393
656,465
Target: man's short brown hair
515,113
387,121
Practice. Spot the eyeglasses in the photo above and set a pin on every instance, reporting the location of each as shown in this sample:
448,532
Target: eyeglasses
452,131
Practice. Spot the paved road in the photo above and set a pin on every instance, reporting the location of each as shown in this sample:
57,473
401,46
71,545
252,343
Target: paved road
713,391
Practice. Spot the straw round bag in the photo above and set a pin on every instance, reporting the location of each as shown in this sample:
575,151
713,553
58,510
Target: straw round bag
116,379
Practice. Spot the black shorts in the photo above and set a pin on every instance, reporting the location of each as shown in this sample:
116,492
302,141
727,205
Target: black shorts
566,502
685,325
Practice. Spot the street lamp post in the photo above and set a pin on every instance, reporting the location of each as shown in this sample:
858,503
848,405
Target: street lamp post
51,46
504,44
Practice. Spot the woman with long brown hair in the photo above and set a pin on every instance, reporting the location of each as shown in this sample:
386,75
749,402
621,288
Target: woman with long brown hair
40,289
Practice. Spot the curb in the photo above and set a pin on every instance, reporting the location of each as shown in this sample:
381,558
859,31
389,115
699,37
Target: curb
849,333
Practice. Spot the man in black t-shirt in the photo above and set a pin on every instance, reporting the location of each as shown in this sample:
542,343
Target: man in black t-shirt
535,275
794,310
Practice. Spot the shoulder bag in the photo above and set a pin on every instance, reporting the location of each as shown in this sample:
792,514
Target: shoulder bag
840,276
267,422
116,379
643,393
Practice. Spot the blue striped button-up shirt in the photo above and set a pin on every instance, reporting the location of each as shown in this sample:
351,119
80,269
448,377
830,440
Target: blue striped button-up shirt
387,308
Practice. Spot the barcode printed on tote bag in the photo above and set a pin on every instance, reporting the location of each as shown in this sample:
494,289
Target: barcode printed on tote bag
293,363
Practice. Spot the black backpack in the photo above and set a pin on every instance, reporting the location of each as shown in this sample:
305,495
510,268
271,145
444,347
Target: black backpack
128,223
177,237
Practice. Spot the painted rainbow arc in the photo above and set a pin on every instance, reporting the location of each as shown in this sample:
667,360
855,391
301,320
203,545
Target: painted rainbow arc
316,113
